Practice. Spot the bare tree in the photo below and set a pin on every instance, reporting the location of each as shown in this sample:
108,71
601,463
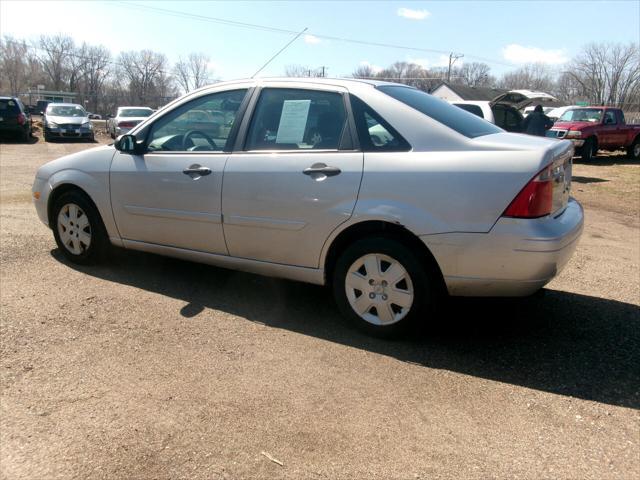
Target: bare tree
192,72
13,65
56,52
533,76
364,71
474,74
302,71
608,73
143,71
96,69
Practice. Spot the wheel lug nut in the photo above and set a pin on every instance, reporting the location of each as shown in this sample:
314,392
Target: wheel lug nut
372,295
371,281
384,297
384,283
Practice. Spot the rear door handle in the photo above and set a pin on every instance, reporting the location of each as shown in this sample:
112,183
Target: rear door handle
196,170
323,169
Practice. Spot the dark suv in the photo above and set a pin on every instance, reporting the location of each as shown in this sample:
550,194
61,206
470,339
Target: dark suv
14,119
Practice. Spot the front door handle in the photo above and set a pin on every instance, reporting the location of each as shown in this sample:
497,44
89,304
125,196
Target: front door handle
323,169
196,170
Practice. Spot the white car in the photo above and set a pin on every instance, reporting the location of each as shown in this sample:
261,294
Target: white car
531,108
125,119
556,113
504,110
295,186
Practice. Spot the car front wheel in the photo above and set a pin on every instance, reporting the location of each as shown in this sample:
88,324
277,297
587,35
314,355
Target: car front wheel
382,286
78,228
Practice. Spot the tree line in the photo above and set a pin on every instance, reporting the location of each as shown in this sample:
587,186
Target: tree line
101,80
600,74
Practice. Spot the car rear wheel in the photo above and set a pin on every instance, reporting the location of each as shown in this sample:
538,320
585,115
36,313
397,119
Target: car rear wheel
78,229
589,150
382,287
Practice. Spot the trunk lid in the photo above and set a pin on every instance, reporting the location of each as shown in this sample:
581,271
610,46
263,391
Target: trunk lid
520,99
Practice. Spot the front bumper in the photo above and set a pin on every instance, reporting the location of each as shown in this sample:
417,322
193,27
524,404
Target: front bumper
40,194
516,258
68,133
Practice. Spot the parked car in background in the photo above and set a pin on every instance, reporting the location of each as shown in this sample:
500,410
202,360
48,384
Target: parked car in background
442,202
94,116
125,119
66,120
597,128
41,106
504,110
15,120
531,108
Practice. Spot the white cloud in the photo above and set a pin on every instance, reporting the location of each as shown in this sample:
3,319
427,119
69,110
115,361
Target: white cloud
518,54
413,14
374,68
310,39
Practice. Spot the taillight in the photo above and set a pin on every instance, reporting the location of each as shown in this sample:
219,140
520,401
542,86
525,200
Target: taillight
126,124
21,119
535,199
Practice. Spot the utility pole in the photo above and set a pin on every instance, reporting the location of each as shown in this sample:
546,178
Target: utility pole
323,69
452,59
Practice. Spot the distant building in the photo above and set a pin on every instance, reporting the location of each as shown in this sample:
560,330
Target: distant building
32,96
457,93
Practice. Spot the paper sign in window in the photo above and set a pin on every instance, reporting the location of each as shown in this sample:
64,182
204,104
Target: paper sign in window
293,121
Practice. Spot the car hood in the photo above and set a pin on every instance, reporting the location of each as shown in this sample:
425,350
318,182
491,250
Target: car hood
67,120
520,99
568,125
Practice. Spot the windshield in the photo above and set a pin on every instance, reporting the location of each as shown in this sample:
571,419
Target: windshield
135,112
593,115
66,111
453,117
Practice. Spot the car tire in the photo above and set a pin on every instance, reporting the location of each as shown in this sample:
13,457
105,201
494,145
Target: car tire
78,228
395,274
633,151
588,151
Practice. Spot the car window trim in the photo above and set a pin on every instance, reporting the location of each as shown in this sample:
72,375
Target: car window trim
345,136
225,150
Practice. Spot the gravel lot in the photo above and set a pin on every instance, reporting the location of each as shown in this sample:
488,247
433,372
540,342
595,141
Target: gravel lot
155,368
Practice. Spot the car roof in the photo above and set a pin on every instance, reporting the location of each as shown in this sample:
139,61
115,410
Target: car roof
343,82
133,106
8,98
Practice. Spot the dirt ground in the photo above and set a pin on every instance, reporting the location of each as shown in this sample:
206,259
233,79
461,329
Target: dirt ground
149,367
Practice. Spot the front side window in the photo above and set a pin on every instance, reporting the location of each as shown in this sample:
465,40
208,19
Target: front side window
609,118
453,117
203,124
292,119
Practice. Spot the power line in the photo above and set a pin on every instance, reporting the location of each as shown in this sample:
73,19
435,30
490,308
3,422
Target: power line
254,26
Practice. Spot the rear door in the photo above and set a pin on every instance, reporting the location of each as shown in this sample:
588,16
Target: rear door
294,176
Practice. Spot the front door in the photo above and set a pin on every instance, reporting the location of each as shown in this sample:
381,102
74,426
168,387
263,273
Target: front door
296,179
171,195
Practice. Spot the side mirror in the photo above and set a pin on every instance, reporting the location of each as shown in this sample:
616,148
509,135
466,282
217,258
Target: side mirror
129,144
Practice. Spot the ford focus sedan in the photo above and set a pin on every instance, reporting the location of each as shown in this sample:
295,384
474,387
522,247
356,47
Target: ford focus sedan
388,195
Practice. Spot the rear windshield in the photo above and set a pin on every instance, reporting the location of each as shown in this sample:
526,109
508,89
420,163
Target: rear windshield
135,112
66,111
453,117
9,106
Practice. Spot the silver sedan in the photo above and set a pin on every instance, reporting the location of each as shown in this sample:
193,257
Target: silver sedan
390,196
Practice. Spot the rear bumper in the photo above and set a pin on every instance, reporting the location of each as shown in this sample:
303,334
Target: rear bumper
516,258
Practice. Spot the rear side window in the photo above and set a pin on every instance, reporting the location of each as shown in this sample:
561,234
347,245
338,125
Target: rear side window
9,106
375,134
455,118
475,109
292,119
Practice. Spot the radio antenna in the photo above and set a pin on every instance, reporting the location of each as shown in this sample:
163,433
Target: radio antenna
279,52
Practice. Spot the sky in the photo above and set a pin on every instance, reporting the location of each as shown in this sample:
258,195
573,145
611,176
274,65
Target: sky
503,34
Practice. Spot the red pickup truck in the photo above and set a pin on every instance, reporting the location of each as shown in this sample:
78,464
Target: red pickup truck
597,128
